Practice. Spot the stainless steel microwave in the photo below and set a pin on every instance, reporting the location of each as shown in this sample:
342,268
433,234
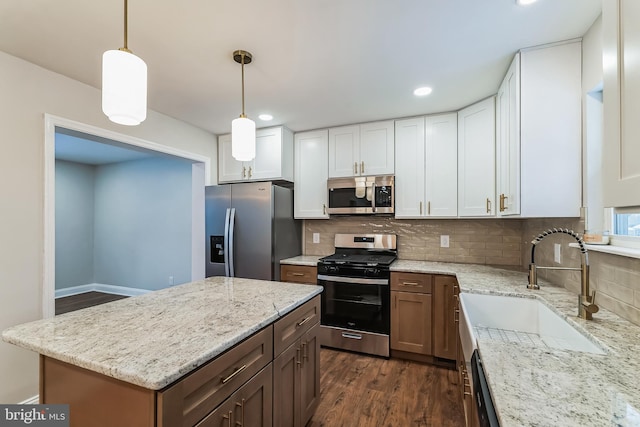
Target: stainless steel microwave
361,195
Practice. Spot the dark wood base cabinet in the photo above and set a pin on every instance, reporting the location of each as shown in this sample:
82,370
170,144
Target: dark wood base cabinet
296,383
234,389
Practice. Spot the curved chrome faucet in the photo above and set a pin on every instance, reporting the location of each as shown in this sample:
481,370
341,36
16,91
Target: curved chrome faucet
586,302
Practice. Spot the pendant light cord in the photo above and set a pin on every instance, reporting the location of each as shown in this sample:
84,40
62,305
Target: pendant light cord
126,26
242,64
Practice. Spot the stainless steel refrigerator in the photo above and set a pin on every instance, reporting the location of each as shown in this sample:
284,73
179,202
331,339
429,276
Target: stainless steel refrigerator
249,229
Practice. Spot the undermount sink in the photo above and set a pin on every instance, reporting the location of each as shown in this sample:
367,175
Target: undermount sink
521,320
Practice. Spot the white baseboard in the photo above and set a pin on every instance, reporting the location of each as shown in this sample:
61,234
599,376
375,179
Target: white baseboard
108,289
34,400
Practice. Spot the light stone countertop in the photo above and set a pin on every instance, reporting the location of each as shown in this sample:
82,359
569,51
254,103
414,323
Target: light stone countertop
308,260
153,339
533,386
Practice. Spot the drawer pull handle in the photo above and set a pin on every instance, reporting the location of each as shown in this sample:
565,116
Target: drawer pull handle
297,274
236,372
410,284
298,360
303,321
241,405
351,336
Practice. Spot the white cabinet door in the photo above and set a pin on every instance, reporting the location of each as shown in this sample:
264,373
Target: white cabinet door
311,167
476,159
442,165
268,161
508,141
551,131
410,170
229,169
621,42
377,148
344,151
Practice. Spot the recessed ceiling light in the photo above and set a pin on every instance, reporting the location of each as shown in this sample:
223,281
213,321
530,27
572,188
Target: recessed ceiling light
265,117
525,2
422,91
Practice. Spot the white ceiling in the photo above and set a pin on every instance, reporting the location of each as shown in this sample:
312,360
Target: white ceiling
317,63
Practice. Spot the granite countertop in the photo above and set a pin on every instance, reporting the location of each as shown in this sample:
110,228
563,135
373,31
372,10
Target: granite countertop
533,386
309,260
154,339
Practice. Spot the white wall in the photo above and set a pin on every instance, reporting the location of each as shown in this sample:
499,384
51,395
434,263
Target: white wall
28,92
75,184
143,223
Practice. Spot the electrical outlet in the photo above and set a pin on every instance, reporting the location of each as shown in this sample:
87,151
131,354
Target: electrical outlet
170,280
444,241
557,254
316,237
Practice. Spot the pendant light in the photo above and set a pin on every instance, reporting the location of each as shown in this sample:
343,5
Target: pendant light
124,83
243,130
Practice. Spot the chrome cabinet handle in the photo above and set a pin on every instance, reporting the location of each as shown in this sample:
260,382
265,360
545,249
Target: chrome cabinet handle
361,167
355,168
351,336
324,209
420,208
244,172
488,205
410,284
296,274
236,372
250,172
428,208
298,361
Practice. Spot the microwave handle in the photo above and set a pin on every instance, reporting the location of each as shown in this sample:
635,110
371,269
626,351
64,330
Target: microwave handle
373,196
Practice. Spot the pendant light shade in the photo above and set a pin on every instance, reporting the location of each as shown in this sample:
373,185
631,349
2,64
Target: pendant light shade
243,130
124,87
243,139
124,83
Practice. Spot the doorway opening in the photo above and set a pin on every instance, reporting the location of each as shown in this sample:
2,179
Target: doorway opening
122,215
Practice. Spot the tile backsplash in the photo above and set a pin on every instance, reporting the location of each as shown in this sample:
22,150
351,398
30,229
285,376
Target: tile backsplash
500,242
482,241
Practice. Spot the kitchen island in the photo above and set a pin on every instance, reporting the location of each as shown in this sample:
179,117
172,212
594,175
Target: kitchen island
175,355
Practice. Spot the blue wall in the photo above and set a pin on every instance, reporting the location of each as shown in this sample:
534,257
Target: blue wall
141,224
74,223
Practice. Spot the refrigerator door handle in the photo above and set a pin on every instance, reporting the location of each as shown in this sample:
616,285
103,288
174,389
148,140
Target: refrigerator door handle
232,222
226,243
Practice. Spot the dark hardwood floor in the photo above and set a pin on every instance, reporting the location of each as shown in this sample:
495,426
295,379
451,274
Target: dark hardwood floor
363,391
84,300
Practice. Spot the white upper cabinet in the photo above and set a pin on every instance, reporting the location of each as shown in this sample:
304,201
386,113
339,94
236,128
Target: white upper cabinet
539,133
273,161
410,168
621,43
359,150
311,173
442,165
508,141
426,167
476,159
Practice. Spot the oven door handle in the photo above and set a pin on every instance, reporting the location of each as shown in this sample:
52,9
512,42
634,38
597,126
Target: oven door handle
355,280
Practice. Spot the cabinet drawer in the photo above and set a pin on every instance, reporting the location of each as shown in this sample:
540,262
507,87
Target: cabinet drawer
192,398
292,326
411,282
251,405
299,274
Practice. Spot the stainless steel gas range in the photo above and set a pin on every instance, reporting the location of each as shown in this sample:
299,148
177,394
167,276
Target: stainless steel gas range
356,297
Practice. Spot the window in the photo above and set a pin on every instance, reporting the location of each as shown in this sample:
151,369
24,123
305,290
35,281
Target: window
626,224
